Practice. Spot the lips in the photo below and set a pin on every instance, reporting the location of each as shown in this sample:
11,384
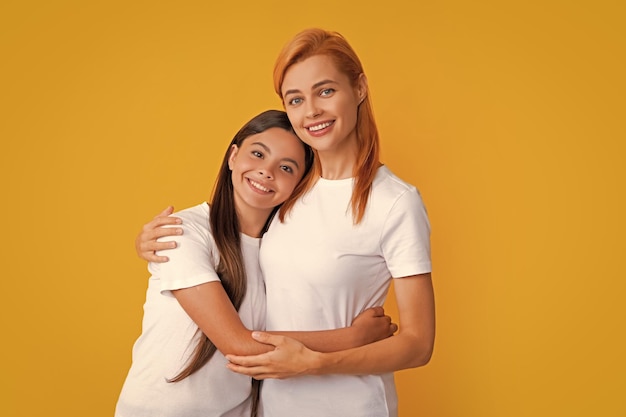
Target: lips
258,186
319,128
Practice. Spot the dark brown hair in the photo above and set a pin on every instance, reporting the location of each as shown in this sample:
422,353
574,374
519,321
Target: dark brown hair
225,230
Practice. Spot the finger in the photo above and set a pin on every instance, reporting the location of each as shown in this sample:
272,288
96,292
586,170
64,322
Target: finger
151,245
255,372
241,369
268,376
161,221
268,338
151,257
377,311
161,232
393,328
168,210
248,361
145,241
154,246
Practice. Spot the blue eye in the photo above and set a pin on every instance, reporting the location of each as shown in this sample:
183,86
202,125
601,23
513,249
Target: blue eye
327,92
295,101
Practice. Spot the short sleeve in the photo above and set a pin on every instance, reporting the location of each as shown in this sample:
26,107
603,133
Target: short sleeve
406,236
193,261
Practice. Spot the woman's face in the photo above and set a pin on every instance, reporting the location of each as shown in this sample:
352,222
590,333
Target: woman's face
266,168
322,104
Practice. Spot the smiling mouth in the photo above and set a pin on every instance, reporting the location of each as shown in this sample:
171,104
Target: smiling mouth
258,186
319,126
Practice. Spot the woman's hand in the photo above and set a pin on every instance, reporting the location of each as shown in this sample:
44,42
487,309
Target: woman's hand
373,325
288,359
146,243
291,358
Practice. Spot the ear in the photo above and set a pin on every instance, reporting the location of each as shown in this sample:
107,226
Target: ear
361,87
233,155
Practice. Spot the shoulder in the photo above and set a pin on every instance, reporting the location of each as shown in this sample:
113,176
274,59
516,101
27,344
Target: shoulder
198,213
196,238
195,223
196,217
390,186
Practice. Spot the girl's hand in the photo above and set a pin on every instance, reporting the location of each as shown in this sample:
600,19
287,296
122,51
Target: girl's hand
373,325
146,243
288,359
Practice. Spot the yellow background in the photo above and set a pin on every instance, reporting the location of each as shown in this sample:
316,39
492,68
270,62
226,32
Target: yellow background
508,116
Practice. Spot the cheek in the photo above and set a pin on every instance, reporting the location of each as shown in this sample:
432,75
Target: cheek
350,105
290,185
294,114
350,114
304,137
237,169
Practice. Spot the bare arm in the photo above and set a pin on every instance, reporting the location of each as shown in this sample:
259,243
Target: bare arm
411,347
210,308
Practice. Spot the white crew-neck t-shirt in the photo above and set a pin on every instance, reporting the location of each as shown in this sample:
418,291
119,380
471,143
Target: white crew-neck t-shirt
321,271
169,335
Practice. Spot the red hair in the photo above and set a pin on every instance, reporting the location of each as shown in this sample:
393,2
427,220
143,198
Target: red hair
306,44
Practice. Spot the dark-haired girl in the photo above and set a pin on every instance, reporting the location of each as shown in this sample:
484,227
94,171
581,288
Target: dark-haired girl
203,303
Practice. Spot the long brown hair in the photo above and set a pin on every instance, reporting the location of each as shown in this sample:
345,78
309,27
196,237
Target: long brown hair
226,233
306,44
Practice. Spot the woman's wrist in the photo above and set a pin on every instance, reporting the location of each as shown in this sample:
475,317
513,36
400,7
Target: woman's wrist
318,363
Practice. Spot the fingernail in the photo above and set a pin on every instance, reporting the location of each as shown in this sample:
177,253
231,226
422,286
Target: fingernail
256,334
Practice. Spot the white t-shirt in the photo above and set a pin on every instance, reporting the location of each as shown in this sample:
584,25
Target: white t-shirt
169,335
321,271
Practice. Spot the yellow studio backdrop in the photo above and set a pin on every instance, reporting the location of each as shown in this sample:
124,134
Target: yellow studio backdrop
508,116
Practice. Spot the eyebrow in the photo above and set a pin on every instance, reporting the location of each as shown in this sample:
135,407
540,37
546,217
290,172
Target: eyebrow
316,85
268,150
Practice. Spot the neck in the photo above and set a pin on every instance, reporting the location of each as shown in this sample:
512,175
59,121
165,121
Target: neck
338,163
336,168
251,222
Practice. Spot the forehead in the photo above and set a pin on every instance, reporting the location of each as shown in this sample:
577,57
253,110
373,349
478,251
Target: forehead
278,142
304,74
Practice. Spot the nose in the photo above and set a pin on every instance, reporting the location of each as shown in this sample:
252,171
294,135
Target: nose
313,109
266,172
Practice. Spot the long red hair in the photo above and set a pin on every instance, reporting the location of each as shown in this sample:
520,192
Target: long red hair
311,42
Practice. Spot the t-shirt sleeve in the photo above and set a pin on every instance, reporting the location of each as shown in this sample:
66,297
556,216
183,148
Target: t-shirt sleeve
191,263
406,236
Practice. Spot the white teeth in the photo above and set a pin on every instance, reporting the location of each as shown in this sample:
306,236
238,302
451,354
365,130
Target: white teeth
259,186
319,127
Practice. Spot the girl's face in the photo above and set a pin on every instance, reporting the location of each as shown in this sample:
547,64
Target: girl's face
322,104
266,168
